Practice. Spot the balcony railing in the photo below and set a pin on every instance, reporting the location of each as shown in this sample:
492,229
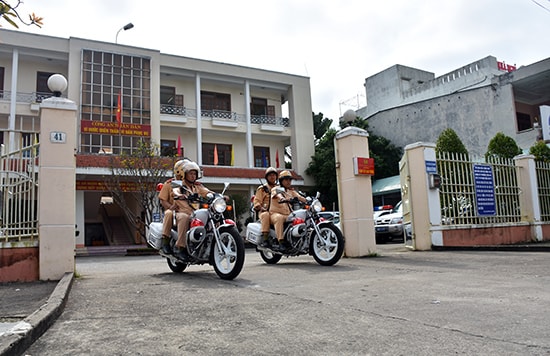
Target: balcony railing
224,115
34,97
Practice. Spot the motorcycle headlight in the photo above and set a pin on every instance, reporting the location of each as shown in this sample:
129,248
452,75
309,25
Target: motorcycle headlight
219,205
317,206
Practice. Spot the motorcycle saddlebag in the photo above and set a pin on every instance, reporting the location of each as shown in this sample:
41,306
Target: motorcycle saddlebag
254,233
154,236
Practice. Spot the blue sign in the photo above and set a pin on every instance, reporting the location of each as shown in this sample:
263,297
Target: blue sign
431,167
485,189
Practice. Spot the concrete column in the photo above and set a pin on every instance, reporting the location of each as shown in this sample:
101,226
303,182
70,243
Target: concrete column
529,197
421,202
56,197
354,193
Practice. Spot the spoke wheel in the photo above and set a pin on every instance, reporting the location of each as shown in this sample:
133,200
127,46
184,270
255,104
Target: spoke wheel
228,258
328,247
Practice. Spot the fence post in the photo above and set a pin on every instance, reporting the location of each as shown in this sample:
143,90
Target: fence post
56,196
421,205
529,197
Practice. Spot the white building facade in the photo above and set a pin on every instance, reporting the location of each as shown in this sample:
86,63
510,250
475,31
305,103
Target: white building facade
233,120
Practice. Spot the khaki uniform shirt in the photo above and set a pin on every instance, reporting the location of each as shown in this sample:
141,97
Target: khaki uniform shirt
262,198
183,206
283,208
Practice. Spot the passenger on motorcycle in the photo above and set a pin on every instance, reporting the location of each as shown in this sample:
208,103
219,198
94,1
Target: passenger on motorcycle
167,202
179,204
262,200
280,207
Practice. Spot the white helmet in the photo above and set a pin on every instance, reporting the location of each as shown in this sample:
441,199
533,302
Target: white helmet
178,167
191,166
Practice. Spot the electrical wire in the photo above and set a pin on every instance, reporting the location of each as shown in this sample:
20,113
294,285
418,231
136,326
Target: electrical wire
545,8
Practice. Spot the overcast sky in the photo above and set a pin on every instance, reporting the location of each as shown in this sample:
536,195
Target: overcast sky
337,43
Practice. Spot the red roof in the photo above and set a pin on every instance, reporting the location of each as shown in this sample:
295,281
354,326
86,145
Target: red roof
103,161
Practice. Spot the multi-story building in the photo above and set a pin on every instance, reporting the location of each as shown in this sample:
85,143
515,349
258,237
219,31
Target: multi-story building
232,120
408,105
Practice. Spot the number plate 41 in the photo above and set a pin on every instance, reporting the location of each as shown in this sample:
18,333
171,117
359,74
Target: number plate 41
58,137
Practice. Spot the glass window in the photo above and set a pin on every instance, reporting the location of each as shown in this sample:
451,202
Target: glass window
524,121
215,101
168,148
224,154
261,156
42,90
105,77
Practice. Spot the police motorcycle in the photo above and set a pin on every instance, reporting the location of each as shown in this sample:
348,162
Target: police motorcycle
305,232
211,238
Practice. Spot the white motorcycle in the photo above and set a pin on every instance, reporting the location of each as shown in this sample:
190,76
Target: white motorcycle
305,232
211,238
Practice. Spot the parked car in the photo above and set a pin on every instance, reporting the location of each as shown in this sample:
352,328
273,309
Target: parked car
389,226
333,216
381,210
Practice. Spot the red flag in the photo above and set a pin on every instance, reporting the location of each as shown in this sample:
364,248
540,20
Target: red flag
277,158
215,155
179,146
119,110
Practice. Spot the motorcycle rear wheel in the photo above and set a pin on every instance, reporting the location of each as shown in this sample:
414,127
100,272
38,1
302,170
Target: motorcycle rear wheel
176,267
269,257
229,262
328,248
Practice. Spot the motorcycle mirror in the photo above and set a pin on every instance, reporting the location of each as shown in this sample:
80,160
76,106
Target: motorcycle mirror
317,195
176,183
279,190
225,186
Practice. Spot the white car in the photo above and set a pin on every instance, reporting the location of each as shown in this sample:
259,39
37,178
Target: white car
389,226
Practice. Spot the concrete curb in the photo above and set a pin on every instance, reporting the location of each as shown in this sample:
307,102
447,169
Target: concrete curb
33,326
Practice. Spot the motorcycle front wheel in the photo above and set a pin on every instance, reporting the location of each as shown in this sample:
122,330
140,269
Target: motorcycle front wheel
228,259
328,247
176,267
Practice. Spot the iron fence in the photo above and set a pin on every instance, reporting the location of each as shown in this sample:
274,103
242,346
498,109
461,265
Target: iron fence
459,201
19,192
543,182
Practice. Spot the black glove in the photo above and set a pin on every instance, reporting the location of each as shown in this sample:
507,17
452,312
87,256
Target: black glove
193,197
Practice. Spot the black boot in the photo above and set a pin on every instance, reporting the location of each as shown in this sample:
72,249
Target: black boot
281,247
181,254
265,243
166,245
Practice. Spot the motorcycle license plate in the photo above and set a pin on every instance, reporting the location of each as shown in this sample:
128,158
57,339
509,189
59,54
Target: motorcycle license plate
382,229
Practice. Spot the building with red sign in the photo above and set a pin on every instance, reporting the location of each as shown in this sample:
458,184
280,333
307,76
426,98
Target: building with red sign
232,120
480,99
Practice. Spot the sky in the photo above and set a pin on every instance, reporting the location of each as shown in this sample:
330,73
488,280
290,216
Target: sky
337,44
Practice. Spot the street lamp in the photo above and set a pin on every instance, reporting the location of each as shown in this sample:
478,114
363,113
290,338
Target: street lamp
128,26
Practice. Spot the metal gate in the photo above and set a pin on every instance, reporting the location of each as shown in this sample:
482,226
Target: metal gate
19,191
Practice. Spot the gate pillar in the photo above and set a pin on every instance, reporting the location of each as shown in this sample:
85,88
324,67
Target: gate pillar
354,192
56,197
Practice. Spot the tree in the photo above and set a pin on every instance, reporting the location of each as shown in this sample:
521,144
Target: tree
10,14
320,126
133,180
541,151
386,155
502,146
448,141
322,169
322,166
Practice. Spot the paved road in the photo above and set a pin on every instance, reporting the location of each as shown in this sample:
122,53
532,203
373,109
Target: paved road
401,303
